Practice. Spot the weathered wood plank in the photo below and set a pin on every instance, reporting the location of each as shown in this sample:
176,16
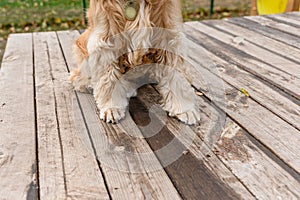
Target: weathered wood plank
198,173
267,31
51,177
281,64
83,178
244,159
282,105
131,169
68,167
291,19
276,25
286,82
265,178
127,176
260,40
17,121
266,127
292,15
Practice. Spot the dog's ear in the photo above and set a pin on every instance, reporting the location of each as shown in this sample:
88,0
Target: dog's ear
80,47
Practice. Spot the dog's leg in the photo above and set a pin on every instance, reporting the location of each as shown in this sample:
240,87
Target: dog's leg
80,77
112,94
179,98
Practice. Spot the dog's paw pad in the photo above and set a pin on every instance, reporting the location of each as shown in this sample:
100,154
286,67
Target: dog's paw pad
189,117
112,115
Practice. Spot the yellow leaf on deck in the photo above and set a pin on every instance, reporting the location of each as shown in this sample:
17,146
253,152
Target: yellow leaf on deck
245,92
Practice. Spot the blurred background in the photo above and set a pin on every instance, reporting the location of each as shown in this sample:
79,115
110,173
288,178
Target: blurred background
18,16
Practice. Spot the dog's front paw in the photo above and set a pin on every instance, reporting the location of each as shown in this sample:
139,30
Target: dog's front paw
112,115
79,83
190,117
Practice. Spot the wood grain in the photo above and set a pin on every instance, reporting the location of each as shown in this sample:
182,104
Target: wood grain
260,40
249,163
67,164
292,19
277,25
198,173
127,176
17,121
267,31
275,63
240,155
267,128
281,79
283,106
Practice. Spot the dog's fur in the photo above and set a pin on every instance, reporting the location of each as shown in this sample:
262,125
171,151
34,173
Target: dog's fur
113,47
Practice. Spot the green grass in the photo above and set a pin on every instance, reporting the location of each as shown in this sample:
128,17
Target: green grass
39,15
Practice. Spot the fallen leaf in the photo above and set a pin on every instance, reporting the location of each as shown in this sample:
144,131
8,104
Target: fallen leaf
245,92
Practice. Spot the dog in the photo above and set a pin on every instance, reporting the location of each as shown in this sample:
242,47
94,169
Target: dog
129,39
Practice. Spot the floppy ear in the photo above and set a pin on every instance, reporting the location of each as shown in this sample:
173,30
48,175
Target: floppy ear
80,47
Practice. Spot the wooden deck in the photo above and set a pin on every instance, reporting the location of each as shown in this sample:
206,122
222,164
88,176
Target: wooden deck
53,145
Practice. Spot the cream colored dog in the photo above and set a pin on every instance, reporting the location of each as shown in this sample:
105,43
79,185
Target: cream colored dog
129,40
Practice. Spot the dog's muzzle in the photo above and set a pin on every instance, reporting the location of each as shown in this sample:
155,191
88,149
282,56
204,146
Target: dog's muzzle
130,9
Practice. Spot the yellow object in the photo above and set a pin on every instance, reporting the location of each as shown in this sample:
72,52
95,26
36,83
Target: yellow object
245,92
271,6
130,13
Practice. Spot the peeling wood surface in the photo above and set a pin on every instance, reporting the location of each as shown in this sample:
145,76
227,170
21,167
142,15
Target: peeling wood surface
246,72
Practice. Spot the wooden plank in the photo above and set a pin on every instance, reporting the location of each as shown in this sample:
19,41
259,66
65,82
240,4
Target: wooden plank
291,19
283,106
282,80
266,127
276,25
17,121
267,31
292,15
52,183
67,164
127,176
281,64
198,173
260,40
83,178
243,158
265,178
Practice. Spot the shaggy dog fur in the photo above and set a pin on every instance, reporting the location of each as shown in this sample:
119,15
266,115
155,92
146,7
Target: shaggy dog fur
114,51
